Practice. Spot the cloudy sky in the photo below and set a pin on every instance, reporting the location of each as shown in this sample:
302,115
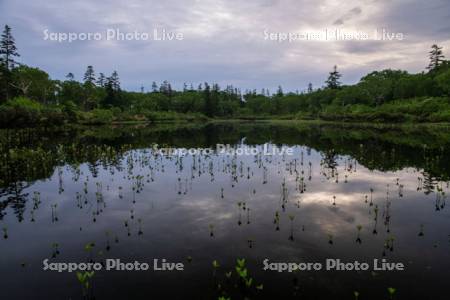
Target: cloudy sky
229,41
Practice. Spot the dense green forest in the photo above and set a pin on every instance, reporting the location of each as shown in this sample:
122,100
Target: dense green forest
29,97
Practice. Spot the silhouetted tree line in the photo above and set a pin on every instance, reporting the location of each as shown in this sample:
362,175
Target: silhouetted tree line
28,95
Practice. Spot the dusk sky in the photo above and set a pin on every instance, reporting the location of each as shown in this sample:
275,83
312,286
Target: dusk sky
227,41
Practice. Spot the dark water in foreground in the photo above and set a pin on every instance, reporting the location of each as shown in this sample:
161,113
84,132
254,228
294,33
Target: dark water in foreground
348,193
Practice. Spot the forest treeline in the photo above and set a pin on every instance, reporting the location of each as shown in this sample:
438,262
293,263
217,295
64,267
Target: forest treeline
29,97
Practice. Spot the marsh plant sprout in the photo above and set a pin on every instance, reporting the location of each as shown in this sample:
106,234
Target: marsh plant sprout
211,230
36,200
54,216
376,220
330,239
276,221
55,250
240,207
358,238
140,232
291,219
388,245
215,264
391,292
421,232
108,246
84,279
302,185
400,190
228,274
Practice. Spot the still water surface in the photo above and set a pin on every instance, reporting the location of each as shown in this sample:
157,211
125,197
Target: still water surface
348,192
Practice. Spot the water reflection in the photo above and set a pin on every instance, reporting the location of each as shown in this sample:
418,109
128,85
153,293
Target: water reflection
348,193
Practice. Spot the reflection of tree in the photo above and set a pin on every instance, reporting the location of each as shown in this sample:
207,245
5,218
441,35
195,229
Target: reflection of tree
93,168
3,203
29,155
428,183
329,159
329,162
14,198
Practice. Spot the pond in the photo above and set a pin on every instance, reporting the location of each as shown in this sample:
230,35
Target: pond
230,202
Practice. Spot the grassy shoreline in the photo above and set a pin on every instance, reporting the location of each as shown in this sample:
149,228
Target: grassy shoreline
23,112
275,121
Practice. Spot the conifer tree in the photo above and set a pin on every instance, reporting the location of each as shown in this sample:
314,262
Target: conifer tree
280,91
89,75
101,80
114,81
70,76
333,79
154,87
8,49
113,91
436,57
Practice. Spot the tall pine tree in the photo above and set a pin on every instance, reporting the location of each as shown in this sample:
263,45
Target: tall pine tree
3,82
8,49
89,75
333,79
154,87
113,91
70,76
101,81
436,57
114,81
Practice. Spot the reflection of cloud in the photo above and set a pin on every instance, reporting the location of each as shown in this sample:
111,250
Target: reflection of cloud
210,209
177,223
351,209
